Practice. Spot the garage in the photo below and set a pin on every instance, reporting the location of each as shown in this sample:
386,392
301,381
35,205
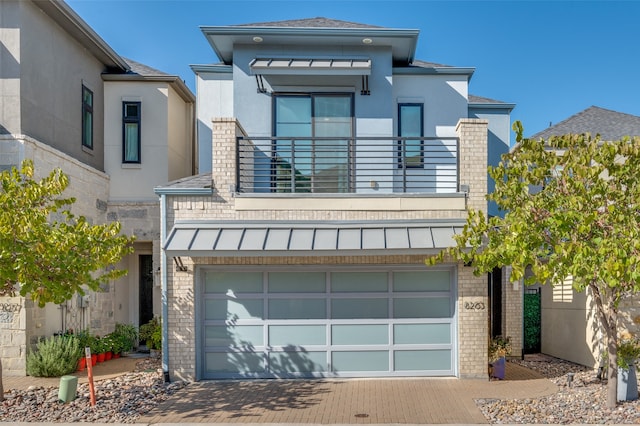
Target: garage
325,321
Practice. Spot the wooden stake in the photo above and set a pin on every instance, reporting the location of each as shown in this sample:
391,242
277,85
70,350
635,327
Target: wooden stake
92,391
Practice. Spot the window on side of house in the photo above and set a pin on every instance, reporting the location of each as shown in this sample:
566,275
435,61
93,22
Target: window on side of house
410,126
87,118
131,114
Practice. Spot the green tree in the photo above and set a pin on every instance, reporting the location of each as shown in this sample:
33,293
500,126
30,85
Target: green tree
46,253
571,208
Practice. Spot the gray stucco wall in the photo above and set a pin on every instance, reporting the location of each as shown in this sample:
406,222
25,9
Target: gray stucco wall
9,67
56,66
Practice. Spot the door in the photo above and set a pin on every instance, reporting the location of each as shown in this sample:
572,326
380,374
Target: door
145,296
303,161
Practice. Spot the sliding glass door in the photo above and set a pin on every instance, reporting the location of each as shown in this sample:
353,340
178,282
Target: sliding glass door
303,160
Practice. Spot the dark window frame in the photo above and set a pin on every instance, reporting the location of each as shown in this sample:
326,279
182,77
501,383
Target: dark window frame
87,108
128,119
401,155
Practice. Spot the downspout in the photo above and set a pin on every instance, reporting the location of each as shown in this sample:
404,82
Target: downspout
165,304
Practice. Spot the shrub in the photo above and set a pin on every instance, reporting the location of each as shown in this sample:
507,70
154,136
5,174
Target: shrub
54,357
128,335
151,333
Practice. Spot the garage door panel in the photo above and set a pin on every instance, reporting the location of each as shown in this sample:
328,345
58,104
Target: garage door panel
352,282
360,308
416,360
234,362
421,334
404,281
233,336
233,309
374,361
360,334
422,307
297,282
297,308
286,363
297,335
233,282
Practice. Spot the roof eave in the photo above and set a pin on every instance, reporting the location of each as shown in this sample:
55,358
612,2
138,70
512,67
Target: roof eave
71,22
226,55
176,82
212,68
468,71
488,105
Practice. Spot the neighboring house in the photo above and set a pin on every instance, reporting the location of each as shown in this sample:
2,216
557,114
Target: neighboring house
117,128
332,163
569,327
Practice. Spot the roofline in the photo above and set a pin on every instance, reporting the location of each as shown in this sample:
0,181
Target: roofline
212,223
492,105
209,31
215,68
182,191
417,70
71,22
174,80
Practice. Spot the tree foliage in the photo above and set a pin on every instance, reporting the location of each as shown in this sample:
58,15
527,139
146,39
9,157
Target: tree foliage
571,212
46,252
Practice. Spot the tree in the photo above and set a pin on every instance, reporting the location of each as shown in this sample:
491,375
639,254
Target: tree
572,209
46,253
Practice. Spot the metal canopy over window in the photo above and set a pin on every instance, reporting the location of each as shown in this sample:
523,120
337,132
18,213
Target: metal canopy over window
324,66
300,239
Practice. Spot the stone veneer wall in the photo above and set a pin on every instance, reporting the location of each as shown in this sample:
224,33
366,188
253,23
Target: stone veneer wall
472,291
90,187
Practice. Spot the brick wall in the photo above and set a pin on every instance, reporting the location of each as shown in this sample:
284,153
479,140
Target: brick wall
472,291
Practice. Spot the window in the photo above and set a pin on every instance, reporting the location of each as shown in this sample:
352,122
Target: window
312,150
131,132
87,118
411,126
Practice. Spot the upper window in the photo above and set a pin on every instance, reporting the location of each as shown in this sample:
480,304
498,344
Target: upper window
411,131
131,132
87,118
314,133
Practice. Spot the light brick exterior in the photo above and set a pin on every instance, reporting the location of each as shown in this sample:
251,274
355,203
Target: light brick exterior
471,291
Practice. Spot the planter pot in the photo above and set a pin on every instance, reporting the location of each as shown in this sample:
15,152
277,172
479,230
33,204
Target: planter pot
108,356
94,359
498,368
82,363
101,357
116,355
627,384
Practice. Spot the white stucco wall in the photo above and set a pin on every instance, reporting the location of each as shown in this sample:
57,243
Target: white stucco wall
180,134
136,181
215,99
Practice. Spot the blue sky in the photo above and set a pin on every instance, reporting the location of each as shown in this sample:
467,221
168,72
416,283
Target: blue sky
551,58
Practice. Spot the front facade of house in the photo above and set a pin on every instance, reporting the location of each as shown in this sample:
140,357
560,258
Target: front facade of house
569,327
116,128
332,164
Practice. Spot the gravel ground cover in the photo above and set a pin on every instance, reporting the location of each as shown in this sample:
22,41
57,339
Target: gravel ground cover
582,402
123,399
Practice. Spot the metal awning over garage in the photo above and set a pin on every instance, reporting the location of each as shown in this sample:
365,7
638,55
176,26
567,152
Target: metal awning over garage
214,238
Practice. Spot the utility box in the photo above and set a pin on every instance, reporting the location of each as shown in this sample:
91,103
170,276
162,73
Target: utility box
68,388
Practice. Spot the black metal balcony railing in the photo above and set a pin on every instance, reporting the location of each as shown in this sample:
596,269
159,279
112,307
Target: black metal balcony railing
347,165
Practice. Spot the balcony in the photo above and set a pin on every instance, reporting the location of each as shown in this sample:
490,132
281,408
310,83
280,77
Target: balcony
362,165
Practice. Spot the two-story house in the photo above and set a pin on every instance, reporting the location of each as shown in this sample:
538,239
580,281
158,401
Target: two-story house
117,128
332,163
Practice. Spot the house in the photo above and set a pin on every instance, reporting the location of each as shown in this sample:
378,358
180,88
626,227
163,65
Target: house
569,328
117,128
332,162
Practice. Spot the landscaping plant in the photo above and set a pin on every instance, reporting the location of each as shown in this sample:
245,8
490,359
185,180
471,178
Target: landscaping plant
54,357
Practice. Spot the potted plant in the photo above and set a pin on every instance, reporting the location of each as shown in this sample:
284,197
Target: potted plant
151,334
99,347
628,353
499,348
128,336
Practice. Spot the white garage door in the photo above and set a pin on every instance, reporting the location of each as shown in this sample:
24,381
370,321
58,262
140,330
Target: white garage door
326,323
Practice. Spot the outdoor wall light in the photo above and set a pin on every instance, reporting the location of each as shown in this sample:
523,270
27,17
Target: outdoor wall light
367,41
257,39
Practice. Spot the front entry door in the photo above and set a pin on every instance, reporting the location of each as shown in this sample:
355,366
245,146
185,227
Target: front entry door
146,288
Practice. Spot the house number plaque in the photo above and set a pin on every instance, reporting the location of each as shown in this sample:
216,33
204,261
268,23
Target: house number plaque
474,306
